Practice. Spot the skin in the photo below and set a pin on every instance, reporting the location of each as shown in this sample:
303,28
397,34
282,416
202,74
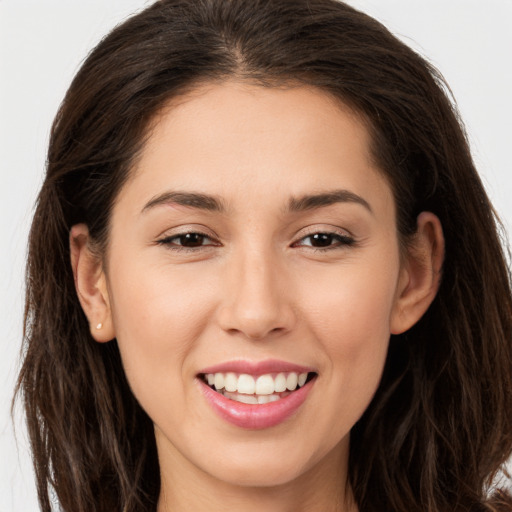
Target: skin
257,289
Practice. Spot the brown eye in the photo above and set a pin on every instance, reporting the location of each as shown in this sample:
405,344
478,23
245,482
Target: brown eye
322,239
191,239
325,241
187,241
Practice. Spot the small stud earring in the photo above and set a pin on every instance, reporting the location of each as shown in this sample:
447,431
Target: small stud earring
99,326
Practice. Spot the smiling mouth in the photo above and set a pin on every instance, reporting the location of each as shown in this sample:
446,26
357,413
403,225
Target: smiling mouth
261,389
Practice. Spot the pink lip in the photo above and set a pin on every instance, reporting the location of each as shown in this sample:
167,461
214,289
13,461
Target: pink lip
256,368
255,416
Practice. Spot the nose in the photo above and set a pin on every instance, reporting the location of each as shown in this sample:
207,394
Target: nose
256,297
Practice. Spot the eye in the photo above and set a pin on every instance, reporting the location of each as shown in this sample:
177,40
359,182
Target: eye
190,240
324,241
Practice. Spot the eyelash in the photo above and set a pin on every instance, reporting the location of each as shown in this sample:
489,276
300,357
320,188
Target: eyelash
168,242
340,239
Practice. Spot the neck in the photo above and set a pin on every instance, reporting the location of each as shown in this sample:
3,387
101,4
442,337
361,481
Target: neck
321,488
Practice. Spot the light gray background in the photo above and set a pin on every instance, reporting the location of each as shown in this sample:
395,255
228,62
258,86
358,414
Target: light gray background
42,43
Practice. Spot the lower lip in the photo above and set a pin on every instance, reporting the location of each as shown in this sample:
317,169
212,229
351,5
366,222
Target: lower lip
251,416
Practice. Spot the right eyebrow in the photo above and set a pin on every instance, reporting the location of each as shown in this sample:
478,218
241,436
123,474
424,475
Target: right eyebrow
191,199
313,201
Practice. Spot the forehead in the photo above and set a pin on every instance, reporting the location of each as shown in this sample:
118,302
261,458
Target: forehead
238,140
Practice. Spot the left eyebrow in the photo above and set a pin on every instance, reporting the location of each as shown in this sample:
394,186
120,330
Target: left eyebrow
190,199
312,201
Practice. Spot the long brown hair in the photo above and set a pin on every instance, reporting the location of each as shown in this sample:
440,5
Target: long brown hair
440,425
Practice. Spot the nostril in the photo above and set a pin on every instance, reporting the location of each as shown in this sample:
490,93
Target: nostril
258,332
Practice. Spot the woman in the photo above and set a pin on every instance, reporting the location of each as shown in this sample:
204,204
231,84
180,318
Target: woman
264,274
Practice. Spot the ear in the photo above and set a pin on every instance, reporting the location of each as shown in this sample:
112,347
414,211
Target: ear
420,275
91,284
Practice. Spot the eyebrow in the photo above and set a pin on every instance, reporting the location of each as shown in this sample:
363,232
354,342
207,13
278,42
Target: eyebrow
192,199
216,205
312,201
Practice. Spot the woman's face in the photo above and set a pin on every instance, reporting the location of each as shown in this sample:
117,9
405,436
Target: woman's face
257,238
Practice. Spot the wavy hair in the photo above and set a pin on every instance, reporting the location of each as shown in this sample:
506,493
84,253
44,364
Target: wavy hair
440,425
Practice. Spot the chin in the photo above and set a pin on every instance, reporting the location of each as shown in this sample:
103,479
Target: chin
270,474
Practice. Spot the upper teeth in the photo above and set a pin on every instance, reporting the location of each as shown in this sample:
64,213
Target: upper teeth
262,385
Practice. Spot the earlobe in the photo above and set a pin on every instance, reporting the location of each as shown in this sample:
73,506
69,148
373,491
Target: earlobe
91,284
420,275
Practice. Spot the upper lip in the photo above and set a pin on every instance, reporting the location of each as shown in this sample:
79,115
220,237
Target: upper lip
256,367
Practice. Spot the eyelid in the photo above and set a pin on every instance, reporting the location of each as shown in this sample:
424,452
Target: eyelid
345,238
186,228
166,239
176,232
322,228
342,236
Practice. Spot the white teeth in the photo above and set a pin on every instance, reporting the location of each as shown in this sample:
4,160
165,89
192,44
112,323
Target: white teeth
246,384
291,381
280,383
263,386
251,399
219,381
230,382
247,399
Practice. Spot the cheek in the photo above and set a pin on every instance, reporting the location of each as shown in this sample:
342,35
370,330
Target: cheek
355,319
350,307
350,315
158,318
